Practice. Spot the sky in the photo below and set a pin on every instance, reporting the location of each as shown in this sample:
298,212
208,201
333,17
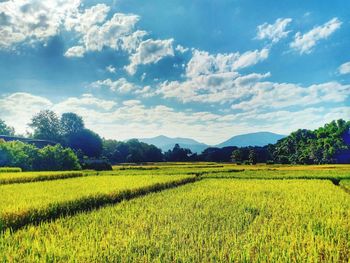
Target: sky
203,69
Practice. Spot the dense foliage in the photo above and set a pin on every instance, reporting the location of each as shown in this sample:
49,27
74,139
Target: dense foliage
68,130
131,151
30,158
328,144
6,130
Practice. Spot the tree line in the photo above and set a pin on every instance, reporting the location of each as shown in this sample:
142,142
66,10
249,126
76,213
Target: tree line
76,144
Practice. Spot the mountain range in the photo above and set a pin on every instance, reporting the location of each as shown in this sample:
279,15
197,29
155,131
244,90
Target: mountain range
251,139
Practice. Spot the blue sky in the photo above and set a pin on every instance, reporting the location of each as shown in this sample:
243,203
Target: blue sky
201,69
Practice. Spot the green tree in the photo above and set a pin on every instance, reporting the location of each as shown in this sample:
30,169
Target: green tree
178,154
6,130
252,157
86,141
237,156
46,126
71,123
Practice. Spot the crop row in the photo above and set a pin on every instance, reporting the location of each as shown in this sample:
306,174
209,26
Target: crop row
10,170
32,203
26,177
209,221
333,175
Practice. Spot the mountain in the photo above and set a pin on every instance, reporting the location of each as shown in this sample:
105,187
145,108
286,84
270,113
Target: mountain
252,139
167,143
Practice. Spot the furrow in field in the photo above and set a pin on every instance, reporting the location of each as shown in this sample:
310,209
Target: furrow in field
24,204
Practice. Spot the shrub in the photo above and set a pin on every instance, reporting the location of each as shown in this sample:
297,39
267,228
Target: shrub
10,170
29,158
97,165
56,158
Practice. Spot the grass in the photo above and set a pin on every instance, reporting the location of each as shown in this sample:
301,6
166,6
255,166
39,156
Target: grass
10,170
21,204
209,221
25,177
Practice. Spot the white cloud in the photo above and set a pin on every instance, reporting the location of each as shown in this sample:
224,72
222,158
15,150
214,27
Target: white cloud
110,34
274,32
181,49
77,51
85,103
96,33
120,85
203,63
214,78
111,69
132,119
269,95
17,109
304,43
82,22
149,52
31,21
344,68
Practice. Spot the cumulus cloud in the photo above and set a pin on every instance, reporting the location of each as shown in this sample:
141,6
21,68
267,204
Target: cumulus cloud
120,85
344,68
203,63
111,69
214,78
18,108
77,51
269,95
132,119
83,21
32,20
274,32
84,103
149,52
304,43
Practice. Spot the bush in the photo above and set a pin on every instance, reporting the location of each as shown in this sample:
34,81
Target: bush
29,158
97,165
56,158
10,170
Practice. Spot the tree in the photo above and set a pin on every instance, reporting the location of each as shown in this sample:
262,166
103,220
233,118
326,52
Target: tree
71,123
252,156
6,130
178,154
237,156
86,141
46,126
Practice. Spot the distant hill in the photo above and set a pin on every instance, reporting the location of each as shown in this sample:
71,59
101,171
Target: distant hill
167,143
252,139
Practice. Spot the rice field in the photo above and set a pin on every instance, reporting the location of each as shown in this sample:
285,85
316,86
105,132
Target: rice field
21,204
212,213
25,177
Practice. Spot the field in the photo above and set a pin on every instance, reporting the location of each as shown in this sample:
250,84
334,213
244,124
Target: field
212,213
